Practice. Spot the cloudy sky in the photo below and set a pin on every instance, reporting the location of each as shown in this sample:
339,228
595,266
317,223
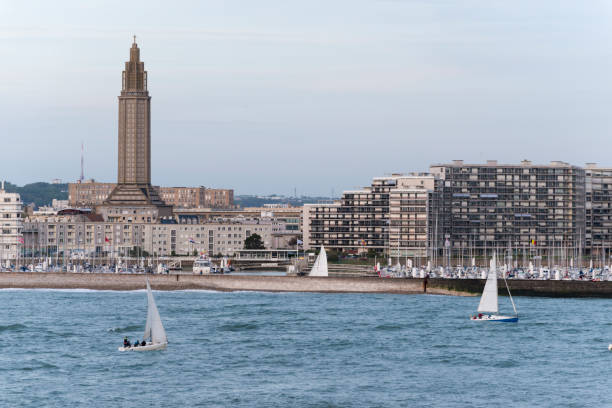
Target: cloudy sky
267,96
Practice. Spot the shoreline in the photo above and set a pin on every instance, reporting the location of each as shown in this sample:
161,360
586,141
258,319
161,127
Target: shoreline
232,283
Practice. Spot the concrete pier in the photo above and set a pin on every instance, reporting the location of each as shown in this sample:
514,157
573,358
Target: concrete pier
100,281
228,283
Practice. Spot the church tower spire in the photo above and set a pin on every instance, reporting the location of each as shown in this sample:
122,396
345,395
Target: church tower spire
134,76
134,188
134,122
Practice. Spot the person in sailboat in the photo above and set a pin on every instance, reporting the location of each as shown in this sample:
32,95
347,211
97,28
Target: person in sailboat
137,343
126,342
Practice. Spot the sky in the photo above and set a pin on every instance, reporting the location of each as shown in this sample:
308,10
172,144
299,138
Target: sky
308,96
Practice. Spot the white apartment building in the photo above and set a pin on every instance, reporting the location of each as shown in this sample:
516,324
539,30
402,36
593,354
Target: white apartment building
88,233
11,210
212,238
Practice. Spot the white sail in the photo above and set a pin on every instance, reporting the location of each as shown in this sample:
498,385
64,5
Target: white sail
320,266
488,301
153,328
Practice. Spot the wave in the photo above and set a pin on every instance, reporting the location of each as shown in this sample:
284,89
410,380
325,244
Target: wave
12,327
389,327
125,329
38,365
234,327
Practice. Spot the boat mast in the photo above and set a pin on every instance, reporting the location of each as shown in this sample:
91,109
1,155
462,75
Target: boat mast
510,295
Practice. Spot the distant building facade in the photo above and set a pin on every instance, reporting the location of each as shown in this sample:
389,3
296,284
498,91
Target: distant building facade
390,216
11,225
90,193
522,207
598,193
77,232
197,197
463,210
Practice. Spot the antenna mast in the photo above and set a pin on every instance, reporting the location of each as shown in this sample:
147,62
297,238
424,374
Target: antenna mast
82,165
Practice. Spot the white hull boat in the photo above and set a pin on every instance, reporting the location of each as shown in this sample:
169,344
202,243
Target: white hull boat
148,347
494,318
154,334
488,308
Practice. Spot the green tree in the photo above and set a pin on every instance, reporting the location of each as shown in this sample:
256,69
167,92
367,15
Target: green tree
254,242
332,255
138,251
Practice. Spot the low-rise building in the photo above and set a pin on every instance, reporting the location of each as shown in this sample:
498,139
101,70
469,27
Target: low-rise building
75,231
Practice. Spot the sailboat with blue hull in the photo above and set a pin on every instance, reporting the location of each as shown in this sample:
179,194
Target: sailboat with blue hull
488,309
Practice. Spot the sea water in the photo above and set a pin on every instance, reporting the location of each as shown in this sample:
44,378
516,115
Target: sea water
59,348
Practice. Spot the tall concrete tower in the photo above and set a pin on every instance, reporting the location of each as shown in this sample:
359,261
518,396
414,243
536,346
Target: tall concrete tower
134,162
134,123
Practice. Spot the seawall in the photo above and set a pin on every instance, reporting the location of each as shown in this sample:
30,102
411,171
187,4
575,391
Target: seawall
99,281
548,288
228,283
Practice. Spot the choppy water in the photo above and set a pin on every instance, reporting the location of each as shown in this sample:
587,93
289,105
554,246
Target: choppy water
59,348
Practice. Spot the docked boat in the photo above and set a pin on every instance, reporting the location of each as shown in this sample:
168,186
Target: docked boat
225,265
488,309
203,266
154,334
320,266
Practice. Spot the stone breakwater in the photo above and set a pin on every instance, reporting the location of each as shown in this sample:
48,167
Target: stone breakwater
228,283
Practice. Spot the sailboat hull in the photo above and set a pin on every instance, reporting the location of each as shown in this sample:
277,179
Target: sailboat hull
495,318
148,347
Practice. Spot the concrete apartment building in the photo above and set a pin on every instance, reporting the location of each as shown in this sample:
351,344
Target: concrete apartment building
218,198
90,194
291,216
11,221
526,207
465,210
598,192
390,216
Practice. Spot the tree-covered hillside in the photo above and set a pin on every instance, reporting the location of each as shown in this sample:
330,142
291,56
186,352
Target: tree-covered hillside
39,193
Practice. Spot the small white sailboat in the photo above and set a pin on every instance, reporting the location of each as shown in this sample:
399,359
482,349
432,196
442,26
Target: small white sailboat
320,266
488,308
154,334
